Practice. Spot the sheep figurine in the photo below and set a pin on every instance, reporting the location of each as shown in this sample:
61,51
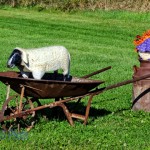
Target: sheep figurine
40,60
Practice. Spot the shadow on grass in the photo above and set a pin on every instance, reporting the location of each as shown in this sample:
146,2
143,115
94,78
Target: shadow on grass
58,114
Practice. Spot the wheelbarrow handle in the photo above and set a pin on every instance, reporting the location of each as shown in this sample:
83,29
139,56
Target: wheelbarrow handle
128,82
96,72
98,91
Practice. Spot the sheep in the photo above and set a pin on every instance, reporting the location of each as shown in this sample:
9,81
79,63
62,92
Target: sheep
38,61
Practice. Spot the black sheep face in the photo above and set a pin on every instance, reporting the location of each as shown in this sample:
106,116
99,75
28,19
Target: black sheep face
14,59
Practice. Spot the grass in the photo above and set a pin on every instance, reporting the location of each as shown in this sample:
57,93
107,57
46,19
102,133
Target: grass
95,40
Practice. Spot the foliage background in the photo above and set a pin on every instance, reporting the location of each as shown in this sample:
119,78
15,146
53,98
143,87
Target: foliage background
69,5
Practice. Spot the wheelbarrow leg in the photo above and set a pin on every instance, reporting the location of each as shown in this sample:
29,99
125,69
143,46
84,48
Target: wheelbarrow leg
88,109
21,98
67,113
86,115
8,91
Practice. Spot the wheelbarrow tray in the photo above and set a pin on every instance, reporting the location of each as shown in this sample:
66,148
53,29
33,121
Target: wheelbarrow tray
49,86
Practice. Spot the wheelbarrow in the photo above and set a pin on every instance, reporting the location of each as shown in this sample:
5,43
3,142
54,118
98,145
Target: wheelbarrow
29,93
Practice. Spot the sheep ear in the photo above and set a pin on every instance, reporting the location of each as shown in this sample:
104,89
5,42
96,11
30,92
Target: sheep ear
25,58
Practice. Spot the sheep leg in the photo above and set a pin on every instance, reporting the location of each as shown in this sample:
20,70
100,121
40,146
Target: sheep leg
24,74
66,75
38,74
55,74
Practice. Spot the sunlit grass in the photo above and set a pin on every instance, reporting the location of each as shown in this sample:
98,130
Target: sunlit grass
95,40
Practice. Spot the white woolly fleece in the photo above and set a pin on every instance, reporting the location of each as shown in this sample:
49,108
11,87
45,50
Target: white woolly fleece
41,60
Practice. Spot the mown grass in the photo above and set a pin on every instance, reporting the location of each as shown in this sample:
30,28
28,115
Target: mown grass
95,40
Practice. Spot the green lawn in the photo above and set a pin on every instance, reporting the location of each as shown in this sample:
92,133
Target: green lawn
95,40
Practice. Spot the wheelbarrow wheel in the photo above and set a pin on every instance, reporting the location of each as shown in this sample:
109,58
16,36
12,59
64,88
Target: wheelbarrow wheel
11,115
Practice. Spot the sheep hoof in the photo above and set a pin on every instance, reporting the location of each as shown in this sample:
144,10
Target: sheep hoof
66,78
24,76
